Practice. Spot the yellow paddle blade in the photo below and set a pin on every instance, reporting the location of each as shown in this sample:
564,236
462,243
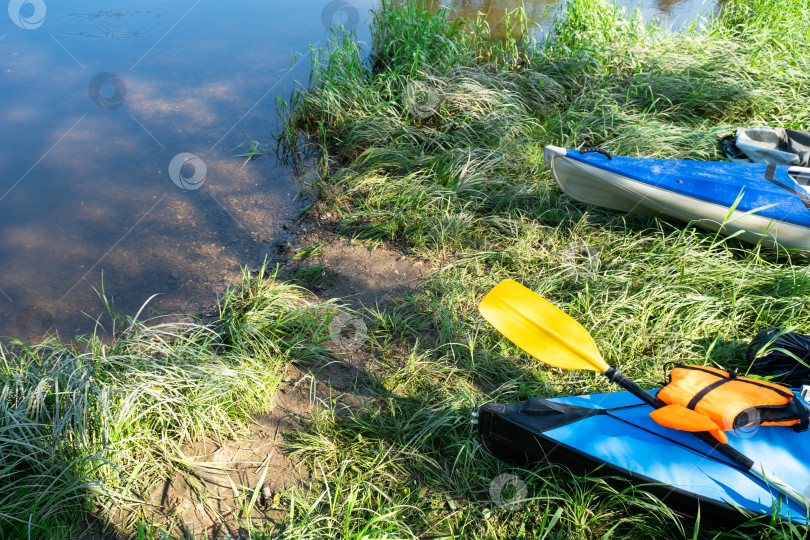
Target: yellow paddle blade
538,327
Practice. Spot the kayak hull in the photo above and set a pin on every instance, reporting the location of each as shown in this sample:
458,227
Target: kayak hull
730,198
612,435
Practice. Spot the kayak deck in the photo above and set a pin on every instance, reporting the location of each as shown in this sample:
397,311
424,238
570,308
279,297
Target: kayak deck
614,431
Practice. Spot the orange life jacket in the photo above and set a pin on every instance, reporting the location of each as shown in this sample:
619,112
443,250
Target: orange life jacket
733,402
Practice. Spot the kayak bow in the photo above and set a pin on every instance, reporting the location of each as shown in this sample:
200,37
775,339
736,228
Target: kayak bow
756,202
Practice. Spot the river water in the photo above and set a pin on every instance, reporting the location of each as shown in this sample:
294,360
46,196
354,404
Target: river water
121,129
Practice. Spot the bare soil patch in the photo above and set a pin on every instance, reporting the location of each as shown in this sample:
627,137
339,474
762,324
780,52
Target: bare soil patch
361,274
204,501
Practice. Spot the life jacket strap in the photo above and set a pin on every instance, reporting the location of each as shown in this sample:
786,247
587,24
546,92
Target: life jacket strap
705,390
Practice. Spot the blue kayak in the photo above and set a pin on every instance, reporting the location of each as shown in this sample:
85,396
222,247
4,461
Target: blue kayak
755,202
613,435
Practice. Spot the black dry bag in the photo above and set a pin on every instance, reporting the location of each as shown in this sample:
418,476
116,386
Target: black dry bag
782,359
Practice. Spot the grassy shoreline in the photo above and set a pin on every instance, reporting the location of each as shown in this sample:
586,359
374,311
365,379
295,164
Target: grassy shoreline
433,141
95,426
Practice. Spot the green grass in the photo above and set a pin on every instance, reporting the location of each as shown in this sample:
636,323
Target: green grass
306,252
96,426
254,150
315,276
435,140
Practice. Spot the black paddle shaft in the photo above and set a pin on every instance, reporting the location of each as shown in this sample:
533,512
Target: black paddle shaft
614,376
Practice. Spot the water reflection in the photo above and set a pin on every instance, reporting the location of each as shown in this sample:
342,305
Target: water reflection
111,23
673,14
95,104
495,12
97,101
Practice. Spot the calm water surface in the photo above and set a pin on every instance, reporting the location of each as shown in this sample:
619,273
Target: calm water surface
121,124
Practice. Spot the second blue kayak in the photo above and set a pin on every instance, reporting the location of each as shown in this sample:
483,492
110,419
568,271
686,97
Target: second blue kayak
756,202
